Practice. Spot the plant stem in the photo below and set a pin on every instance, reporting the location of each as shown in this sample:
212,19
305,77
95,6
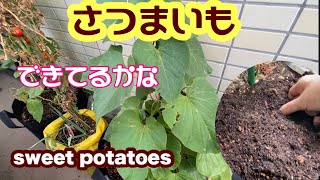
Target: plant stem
23,47
25,44
157,44
36,48
252,76
45,138
77,118
4,48
48,100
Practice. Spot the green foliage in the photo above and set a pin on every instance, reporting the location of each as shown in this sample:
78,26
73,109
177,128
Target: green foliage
31,97
31,92
213,165
177,115
6,64
133,173
171,59
149,135
35,108
109,98
182,175
196,114
68,121
188,164
174,146
197,60
16,74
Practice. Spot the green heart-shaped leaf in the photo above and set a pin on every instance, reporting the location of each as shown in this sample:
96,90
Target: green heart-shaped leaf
174,145
160,173
109,98
214,166
35,108
171,59
32,92
129,131
188,164
196,115
198,65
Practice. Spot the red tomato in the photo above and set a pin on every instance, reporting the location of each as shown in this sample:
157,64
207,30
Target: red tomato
27,40
16,31
45,55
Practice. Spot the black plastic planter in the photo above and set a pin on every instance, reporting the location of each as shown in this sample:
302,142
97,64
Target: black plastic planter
236,177
33,126
37,128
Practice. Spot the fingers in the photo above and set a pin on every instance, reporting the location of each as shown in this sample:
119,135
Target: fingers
297,89
316,122
292,106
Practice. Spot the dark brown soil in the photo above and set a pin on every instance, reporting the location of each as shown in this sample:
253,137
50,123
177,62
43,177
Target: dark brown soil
48,114
113,174
63,135
256,139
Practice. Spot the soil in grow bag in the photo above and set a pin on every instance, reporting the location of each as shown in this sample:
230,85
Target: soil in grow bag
63,134
258,141
48,114
112,173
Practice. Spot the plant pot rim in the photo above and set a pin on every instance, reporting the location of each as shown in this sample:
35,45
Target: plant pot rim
88,144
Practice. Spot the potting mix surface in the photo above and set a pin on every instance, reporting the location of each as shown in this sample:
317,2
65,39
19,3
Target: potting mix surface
47,112
63,134
258,141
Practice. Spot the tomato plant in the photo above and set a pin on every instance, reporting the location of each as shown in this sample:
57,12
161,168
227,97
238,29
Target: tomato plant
17,48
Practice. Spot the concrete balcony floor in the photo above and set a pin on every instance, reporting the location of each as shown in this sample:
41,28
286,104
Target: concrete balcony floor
22,139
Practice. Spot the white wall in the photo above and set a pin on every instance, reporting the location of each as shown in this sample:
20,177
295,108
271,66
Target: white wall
272,30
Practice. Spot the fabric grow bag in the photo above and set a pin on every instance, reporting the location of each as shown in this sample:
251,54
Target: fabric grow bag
91,143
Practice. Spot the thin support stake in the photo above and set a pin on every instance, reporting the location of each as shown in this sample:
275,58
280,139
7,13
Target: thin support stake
252,76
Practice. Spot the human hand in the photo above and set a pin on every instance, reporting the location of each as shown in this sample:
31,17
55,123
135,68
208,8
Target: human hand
304,95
